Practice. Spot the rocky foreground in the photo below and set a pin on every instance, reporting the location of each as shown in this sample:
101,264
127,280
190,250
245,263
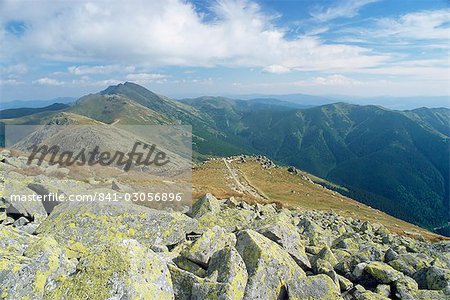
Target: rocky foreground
221,249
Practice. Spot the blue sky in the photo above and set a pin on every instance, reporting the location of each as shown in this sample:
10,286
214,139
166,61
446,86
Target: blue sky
186,48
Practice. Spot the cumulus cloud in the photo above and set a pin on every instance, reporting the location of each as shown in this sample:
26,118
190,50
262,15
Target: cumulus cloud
168,33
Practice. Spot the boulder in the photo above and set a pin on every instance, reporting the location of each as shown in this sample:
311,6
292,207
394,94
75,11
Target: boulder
410,263
80,226
205,204
230,219
123,269
287,236
271,270
34,272
211,241
382,272
227,266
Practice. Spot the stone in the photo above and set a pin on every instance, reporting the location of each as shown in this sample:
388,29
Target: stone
286,235
190,266
123,269
205,204
35,272
382,272
20,222
437,279
325,255
410,263
211,241
383,290
81,226
344,283
271,270
231,219
319,287
16,197
405,288
228,267
3,215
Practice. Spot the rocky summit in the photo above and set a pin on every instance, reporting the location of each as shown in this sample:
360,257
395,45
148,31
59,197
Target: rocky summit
219,249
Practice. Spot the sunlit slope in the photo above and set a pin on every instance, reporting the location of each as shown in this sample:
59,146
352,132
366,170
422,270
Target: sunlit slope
292,190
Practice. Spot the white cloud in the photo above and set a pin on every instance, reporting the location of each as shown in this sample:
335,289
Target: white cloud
343,8
84,70
142,78
84,82
17,69
331,80
427,25
48,81
10,82
276,69
167,33
407,30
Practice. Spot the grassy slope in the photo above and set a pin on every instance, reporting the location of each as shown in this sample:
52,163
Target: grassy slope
293,191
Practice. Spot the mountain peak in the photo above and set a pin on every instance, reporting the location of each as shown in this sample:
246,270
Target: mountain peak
123,88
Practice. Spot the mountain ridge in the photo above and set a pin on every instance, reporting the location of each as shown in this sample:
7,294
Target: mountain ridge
393,160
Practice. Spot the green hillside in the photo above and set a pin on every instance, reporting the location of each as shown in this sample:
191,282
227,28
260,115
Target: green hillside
392,160
397,161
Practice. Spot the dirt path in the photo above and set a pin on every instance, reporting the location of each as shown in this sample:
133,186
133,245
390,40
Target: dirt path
241,184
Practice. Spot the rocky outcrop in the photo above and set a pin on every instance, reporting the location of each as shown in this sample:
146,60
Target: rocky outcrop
220,249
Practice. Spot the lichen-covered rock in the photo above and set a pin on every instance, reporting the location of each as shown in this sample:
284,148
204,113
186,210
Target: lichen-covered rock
265,209
3,215
227,266
324,262
34,273
360,293
344,283
16,196
182,282
188,286
405,288
287,236
230,219
124,269
13,240
349,242
205,204
383,290
271,269
410,263
382,272
211,241
80,226
435,279
190,266
319,287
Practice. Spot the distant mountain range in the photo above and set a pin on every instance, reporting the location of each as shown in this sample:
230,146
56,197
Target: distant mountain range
35,103
397,161
400,103
26,111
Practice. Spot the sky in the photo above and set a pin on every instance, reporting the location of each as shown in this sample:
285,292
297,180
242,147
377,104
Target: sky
187,48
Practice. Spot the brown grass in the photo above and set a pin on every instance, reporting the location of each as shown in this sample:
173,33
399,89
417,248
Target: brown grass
292,191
